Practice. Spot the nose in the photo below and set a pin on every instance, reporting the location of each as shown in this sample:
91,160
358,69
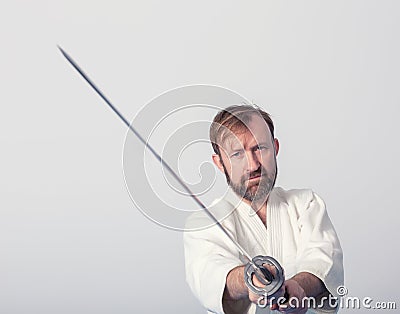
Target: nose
253,162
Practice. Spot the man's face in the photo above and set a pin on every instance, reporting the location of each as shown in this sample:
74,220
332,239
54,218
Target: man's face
249,161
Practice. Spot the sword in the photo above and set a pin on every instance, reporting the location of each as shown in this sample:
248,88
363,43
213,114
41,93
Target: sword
253,265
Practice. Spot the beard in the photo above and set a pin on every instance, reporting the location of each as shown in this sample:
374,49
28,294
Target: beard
254,192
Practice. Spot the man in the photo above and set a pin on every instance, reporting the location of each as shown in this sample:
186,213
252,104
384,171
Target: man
291,226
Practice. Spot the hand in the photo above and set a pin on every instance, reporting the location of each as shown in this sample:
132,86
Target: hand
295,295
271,300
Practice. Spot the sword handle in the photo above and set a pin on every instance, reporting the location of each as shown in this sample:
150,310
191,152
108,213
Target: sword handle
272,282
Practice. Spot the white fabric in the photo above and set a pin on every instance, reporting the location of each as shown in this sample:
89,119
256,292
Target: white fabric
299,234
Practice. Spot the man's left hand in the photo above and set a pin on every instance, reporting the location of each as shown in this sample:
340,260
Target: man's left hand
295,296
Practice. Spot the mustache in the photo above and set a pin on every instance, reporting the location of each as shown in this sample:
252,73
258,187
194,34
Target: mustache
261,171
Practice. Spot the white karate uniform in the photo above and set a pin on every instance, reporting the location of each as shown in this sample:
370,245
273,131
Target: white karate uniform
298,234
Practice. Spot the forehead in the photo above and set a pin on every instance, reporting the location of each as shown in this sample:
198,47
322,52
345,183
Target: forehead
256,132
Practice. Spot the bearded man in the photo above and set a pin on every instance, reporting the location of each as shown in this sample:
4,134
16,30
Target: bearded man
290,225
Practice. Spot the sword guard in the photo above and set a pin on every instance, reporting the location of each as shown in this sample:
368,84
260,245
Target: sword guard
272,282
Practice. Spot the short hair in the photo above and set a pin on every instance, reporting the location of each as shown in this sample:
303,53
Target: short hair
233,119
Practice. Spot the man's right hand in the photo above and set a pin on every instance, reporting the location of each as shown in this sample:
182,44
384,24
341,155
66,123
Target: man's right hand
272,300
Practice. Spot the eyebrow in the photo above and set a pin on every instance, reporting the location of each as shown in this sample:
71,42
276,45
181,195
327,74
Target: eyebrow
232,149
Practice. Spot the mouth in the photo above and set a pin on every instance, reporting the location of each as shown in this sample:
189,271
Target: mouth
254,178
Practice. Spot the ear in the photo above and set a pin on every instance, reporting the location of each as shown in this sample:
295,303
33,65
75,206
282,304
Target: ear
276,144
218,162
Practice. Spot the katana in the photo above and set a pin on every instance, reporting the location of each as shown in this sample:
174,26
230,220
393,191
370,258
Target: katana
272,282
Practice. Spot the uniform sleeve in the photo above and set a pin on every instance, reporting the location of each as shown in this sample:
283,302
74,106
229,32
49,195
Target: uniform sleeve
209,256
319,250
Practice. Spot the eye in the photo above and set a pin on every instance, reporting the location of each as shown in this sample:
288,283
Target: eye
236,154
261,147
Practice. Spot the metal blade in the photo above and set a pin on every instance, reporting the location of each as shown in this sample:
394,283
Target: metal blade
245,255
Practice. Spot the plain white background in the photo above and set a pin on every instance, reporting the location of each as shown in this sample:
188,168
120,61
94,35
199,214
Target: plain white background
71,240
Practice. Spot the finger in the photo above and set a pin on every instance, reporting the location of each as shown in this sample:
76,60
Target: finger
289,310
262,302
274,307
287,307
256,282
271,268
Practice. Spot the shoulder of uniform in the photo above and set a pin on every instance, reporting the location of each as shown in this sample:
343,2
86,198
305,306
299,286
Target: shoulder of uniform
221,209
295,196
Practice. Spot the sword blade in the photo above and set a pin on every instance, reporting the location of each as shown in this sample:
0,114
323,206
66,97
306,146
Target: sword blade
244,254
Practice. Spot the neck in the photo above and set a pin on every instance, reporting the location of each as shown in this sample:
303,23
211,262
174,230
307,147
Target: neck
262,213
260,208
